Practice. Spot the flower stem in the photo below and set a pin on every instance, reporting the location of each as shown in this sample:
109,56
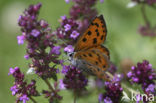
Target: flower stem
74,98
144,15
49,85
32,99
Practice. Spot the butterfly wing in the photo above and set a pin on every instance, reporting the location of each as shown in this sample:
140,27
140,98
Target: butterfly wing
93,36
102,49
100,74
94,61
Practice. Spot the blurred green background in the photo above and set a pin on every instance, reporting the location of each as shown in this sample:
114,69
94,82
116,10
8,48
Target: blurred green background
123,39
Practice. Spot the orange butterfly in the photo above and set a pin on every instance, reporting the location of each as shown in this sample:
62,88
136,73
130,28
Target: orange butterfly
89,54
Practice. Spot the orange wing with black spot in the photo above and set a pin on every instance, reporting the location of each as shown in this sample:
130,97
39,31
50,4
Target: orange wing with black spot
94,60
94,35
95,57
102,49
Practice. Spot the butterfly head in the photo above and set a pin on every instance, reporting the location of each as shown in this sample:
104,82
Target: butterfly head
70,55
71,58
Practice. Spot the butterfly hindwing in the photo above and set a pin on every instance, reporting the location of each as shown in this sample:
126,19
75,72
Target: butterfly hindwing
93,36
102,49
93,62
94,57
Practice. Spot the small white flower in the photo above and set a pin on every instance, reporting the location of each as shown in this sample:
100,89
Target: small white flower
131,4
31,70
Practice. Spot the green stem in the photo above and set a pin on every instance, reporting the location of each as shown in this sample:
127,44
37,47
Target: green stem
49,85
32,99
74,98
144,15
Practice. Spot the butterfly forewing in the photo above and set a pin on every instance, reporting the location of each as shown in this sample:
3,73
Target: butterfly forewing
94,35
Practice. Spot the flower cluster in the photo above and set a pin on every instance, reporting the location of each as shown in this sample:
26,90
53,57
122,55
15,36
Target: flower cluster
112,69
39,39
147,31
78,9
145,75
21,89
68,30
53,95
80,17
113,92
74,80
83,11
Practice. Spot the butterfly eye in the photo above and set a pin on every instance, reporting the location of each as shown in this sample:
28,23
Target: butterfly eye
70,54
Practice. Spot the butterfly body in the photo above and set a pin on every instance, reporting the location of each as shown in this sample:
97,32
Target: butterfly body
89,54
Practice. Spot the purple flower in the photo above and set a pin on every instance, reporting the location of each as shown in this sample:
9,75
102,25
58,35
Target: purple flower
113,92
69,49
26,56
135,79
117,77
43,23
112,69
64,17
129,74
79,11
52,96
14,89
61,84
37,7
74,34
151,2
67,27
75,80
67,1
20,39
57,70
21,87
35,33
133,67
56,50
147,31
100,97
24,98
65,69
11,71
107,100
101,1
151,89
138,98
142,74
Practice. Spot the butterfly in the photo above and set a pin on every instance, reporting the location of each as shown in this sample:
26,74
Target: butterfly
89,54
